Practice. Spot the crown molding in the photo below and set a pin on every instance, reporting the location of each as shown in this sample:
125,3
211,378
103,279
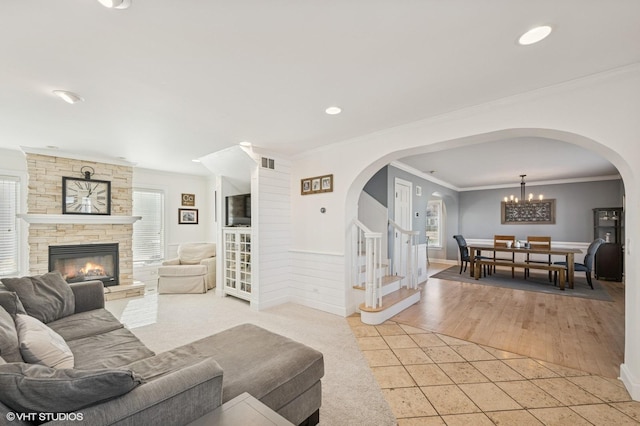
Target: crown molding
75,156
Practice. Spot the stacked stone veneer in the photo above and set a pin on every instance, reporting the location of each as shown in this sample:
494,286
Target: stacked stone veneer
45,197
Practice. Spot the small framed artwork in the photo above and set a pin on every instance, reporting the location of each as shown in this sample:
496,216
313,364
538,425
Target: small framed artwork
189,200
188,216
316,185
305,187
326,183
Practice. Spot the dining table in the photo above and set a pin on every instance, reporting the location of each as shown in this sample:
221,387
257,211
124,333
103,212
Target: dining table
567,252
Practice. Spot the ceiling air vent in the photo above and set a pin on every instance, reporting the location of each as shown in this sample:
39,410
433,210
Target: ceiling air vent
268,163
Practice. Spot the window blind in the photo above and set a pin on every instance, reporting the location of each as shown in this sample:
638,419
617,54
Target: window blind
9,192
148,233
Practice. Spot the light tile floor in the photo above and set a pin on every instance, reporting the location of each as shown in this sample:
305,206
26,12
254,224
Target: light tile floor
432,379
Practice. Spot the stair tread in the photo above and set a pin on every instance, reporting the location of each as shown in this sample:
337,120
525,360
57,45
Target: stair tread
391,299
387,279
363,268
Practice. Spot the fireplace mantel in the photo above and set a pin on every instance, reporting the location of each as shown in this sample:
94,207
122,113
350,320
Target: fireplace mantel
78,219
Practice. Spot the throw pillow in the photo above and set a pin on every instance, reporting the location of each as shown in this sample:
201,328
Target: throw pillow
2,361
9,346
41,345
11,303
47,297
32,388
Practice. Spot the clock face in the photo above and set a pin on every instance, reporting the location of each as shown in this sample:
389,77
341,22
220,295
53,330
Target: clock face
86,196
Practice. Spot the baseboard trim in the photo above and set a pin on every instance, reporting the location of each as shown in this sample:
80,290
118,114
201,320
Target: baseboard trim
325,307
262,305
630,382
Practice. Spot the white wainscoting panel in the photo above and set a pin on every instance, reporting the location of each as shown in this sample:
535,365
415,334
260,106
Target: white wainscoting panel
318,281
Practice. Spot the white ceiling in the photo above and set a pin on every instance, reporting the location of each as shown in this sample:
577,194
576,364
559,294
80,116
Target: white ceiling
500,163
168,81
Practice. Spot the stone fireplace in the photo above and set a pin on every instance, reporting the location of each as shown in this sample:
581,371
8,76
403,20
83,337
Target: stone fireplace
86,262
49,227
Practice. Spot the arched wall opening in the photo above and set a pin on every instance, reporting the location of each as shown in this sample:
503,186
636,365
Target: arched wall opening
623,166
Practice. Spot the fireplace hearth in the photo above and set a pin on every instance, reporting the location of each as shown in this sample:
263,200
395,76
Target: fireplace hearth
86,262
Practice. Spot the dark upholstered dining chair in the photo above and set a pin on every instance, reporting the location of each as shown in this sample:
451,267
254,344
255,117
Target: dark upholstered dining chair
587,266
464,254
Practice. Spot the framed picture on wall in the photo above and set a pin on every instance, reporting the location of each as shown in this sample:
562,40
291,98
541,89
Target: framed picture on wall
188,216
189,200
316,185
326,183
305,186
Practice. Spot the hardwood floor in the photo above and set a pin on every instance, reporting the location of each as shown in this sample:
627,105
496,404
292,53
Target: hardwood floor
574,332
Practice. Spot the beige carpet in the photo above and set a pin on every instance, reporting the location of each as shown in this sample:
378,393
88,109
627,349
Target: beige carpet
351,395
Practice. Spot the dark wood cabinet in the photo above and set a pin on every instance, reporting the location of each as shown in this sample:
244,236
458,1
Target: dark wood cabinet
608,224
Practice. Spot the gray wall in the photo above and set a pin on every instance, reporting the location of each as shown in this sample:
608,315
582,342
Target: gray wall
381,187
377,186
476,214
480,210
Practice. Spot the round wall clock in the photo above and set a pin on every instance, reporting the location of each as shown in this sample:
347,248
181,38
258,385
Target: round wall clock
86,196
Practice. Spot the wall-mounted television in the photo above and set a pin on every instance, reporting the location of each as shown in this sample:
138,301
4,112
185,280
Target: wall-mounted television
238,210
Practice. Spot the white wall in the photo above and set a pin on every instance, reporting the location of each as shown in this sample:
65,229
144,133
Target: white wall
271,199
598,113
174,185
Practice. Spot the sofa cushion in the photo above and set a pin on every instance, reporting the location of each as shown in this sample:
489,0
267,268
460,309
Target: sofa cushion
47,297
41,345
32,388
9,343
166,363
193,253
271,367
108,350
11,303
182,271
85,324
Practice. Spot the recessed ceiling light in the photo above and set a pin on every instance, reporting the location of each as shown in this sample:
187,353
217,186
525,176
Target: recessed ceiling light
333,110
116,4
245,144
534,35
195,160
52,147
68,97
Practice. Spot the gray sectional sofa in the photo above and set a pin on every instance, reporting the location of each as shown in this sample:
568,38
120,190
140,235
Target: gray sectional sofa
116,380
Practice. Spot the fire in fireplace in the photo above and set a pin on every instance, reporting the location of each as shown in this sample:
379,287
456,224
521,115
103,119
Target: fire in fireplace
86,262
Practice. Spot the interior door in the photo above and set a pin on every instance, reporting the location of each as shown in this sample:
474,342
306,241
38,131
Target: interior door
402,216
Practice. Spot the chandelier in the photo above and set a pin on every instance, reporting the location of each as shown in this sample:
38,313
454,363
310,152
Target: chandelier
513,199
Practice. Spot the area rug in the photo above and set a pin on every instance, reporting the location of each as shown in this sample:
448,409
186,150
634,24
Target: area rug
537,282
350,393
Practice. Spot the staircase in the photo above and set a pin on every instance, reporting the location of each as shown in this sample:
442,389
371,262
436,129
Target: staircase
382,292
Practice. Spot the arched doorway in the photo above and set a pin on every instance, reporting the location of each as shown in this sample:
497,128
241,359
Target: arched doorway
620,163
